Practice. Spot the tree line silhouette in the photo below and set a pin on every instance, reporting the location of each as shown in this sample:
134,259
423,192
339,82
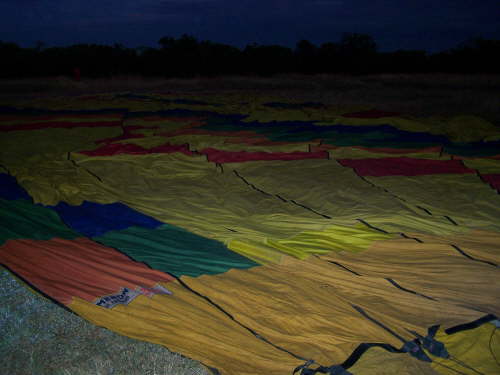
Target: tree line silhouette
186,56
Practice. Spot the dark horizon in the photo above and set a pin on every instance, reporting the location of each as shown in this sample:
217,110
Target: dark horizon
42,45
415,25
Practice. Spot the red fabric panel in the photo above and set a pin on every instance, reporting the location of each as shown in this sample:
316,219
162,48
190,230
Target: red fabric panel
394,151
122,137
250,140
219,156
168,148
492,179
128,129
127,134
30,119
261,141
495,157
60,124
187,131
190,121
64,269
435,149
371,113
115,149
404,166
129,148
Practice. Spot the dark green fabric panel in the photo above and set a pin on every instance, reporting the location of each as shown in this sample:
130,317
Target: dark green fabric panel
23,219
338,135
175,250
474,149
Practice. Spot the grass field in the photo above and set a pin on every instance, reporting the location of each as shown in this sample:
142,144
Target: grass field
39,337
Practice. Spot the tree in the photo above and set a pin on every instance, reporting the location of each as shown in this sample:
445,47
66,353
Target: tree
329,56
358,52
167,42
306,56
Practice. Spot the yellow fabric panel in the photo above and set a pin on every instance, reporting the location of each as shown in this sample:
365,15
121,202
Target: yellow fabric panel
172,187
478,348
159,102
330,189
485,166
257,251
194,194
435,270
335,238
463,128
60,118
356,153
165,124
479,244
200,141
90,102
141,105
259,112
288,147
50,180
188,324
464,198
403,123
377,361
306,307
269,114
42,141
146,142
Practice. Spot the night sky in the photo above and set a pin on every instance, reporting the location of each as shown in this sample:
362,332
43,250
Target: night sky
431,25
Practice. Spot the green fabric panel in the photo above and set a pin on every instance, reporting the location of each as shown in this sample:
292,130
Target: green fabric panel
23,219
174,250
477,149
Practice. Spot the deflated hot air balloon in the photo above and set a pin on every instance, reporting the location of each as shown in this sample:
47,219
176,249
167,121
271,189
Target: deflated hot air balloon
259,238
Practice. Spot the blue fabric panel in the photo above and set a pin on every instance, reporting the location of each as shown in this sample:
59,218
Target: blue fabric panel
340,135
94,219
294,105
10,189
477,149
39,111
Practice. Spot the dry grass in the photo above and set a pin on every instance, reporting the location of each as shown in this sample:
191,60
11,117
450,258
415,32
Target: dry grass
39,337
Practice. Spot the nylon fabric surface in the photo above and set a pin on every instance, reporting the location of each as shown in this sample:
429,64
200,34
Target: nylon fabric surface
169,187
331,190
464,198
176,251
10,189
190,325
432,269
166,217
478,348
307,306
94,219
64,269
22,219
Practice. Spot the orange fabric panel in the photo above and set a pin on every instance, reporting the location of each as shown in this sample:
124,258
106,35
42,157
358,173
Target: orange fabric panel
64,269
